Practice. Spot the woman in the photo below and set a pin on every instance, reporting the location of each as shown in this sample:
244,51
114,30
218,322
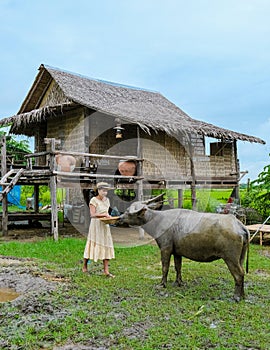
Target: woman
99,245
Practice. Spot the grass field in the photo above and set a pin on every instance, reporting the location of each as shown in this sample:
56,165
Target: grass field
131,311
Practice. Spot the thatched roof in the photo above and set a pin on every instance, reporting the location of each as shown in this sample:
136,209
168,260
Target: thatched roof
148,109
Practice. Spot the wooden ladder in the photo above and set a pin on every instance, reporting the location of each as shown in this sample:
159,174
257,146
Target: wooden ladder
7,182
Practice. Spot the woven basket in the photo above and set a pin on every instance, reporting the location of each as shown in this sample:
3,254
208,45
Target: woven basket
111,220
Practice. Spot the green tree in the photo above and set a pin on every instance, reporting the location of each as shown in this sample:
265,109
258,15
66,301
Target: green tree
258,193
16,148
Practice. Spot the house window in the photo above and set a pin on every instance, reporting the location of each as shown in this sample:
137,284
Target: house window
208,141
217,149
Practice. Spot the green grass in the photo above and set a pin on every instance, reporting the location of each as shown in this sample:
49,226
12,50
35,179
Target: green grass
132,312
207,199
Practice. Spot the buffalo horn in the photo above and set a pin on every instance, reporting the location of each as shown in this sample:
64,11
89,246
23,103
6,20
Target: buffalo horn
155,199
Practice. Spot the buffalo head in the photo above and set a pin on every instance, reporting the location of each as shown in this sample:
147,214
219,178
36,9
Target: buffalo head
135,213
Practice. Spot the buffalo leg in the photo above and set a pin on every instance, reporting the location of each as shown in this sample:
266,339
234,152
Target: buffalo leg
178,267
244,253
165,260
238,273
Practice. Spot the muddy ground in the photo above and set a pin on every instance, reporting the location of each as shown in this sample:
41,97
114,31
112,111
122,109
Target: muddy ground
35,306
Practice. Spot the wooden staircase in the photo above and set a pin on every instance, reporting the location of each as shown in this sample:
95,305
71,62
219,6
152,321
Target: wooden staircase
9,180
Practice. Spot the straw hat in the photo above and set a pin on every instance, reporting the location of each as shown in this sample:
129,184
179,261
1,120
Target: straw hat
103,185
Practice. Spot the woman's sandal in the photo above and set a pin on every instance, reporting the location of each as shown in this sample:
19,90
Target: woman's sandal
109,275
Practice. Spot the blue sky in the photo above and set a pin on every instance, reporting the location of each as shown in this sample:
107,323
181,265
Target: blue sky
209,57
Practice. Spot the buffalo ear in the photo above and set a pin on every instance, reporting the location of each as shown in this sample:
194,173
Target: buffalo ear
141,212
138,208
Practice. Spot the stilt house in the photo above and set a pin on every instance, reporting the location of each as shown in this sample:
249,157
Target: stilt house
101,123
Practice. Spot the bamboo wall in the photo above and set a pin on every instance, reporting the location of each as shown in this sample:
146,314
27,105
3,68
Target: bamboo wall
164,157
69,128
171,157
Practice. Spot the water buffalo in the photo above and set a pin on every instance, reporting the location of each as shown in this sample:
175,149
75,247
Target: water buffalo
202,237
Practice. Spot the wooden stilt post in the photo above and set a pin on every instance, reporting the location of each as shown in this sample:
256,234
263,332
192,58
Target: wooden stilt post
180,198
237,166
193,174
139,173
86,193
53,189
36,198
4,199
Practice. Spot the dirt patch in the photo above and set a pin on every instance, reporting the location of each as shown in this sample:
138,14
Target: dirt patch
24,276
34,306
37,306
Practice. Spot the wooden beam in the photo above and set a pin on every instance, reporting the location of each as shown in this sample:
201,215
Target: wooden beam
98,155
90,175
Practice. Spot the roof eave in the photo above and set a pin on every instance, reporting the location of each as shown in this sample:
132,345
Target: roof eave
20,123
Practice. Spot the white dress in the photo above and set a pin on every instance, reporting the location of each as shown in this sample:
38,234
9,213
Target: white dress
99,245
